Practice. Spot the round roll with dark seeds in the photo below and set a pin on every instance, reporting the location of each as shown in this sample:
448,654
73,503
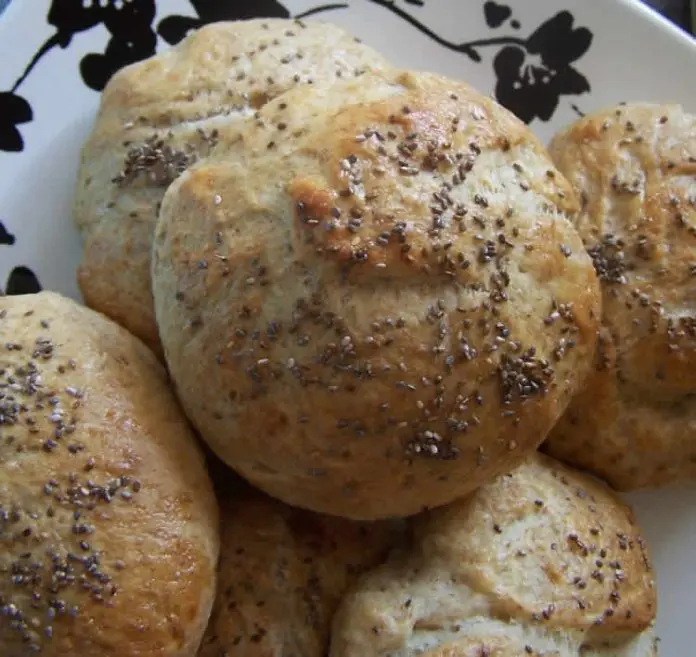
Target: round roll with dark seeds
159,116
542,561
375,301
283,573
108,522
634,168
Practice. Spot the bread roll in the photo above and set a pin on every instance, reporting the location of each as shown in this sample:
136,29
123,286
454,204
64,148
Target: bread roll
108,523
542,561
634,423
282,574
375,302
160,115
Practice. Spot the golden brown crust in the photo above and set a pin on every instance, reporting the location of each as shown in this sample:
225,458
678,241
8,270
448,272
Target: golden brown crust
158,116
634,424
382,310
108,523
282,574
541,561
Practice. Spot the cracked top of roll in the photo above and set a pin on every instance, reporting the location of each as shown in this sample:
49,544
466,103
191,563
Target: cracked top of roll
375,301
159,116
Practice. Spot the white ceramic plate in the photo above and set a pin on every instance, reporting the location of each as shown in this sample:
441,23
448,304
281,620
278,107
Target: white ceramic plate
547,60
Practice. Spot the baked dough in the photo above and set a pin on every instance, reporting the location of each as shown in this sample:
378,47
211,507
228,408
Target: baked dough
634,167
108,522
375,301
160,115
543,561
282,574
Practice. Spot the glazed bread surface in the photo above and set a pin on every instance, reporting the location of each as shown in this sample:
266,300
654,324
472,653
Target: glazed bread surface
634,168
374,301
159,116
108,522
542,561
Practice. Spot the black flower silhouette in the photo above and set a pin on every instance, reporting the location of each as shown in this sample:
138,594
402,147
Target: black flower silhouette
175,28
532,78
13,111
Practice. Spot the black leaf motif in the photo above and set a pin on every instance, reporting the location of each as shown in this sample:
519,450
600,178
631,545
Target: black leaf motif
133,39
496,14
22,280
175,28
6,238
13,111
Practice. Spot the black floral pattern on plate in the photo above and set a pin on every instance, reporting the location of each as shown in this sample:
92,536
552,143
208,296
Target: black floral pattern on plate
532,78
129,22
132,38
532,74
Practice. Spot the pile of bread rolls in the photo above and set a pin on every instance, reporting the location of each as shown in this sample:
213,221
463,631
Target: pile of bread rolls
374,295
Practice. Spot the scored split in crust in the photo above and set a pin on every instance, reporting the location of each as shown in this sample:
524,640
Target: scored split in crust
159,116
